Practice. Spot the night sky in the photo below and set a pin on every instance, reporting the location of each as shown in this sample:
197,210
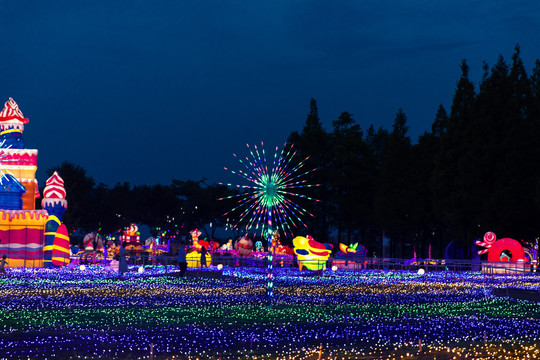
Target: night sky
150,91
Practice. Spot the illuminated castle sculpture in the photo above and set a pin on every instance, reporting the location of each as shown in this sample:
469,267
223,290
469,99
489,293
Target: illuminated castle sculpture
22,228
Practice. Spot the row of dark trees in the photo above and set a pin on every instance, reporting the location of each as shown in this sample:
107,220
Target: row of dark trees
476,170
176,209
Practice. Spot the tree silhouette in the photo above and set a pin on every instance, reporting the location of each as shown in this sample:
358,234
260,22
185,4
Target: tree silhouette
314,142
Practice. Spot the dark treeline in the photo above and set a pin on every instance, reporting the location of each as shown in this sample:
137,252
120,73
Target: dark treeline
177,208
476,170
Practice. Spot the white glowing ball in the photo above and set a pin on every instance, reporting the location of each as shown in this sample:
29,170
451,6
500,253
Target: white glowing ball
141,270
334,268
82,267
421,271
220,266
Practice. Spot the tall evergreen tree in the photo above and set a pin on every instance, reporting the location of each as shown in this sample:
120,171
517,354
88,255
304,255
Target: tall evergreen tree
314,143
450,172
351,178
428,231
392,204
441,122
535,81
502,119
376,141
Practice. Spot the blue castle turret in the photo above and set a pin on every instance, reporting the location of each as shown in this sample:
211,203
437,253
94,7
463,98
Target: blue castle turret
11,191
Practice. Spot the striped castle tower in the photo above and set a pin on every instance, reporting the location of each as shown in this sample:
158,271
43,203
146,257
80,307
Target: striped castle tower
56,250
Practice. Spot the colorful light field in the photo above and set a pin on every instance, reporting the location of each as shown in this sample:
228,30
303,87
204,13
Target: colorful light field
360,315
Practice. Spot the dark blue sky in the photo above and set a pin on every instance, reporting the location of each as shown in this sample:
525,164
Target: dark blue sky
148,91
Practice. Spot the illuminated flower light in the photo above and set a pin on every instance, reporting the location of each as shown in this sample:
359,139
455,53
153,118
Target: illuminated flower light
267,201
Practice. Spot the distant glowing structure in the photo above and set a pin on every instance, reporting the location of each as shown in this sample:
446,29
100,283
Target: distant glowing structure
131,234
267,200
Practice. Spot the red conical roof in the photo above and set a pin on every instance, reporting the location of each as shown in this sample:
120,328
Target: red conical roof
12,112
55,187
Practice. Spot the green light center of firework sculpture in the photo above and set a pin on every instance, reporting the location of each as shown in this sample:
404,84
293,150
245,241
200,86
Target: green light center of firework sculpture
267,201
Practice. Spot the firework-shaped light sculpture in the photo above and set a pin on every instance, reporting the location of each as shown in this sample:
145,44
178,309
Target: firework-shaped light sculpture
268,198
